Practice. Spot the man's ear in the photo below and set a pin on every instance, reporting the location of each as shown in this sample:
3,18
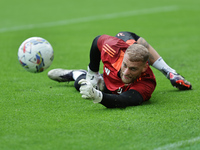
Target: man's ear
145,67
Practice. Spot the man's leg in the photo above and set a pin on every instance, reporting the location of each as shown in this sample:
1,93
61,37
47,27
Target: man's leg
76,85
155,59
62,75
157,62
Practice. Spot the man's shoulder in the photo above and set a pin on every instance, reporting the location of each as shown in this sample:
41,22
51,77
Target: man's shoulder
111,40
106,37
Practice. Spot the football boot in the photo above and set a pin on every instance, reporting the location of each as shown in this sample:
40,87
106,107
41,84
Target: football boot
63,75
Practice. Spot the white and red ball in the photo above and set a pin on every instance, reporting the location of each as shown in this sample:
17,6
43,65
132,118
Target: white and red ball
35,54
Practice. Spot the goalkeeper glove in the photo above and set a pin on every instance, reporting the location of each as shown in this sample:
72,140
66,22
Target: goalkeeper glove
89,92
95,79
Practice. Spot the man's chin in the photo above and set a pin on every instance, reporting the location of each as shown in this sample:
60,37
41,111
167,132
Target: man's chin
125,81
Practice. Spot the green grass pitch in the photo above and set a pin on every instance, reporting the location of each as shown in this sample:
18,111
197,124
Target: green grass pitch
37,113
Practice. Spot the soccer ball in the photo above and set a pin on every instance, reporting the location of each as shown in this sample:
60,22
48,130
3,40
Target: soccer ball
35,54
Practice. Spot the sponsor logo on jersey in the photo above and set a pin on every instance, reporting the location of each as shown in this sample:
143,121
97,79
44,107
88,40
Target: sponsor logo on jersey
119,91
120,34
107,71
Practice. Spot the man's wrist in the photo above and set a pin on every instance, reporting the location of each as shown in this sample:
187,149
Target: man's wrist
98,96
92,72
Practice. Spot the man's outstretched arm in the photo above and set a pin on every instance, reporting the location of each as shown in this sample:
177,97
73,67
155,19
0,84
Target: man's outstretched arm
128,98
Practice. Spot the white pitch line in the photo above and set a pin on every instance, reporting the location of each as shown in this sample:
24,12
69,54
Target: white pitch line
90,18
178,144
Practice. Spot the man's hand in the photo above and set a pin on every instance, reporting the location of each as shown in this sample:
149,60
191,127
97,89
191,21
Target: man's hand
89,92
95,79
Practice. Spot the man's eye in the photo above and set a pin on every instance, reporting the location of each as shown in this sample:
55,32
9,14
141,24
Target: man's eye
133,69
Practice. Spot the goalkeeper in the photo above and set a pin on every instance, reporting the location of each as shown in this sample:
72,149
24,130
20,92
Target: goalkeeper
127,78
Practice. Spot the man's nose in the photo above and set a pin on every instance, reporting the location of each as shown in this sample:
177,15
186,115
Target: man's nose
126,71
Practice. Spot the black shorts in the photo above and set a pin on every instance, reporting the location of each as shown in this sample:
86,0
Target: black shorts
127,36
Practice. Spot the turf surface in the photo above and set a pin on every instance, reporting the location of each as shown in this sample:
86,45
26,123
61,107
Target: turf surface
37,113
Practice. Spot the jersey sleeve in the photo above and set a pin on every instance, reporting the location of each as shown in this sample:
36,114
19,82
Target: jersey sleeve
145,88
128,98
95,56
145,85
111,48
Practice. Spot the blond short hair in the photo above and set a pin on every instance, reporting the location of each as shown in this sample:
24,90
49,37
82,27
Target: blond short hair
137,52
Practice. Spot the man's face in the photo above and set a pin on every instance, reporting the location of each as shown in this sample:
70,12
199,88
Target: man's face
130,71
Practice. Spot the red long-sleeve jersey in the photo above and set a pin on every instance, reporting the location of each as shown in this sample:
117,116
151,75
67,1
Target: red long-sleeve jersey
112,52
